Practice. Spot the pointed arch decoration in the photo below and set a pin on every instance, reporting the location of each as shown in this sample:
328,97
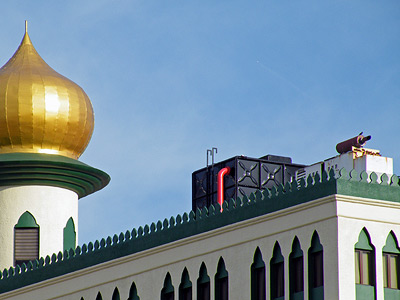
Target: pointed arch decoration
391,245
221,281
133,294
365,267
185,287
115,295
277,279
257,275
167,292
296,271
69,235
203,284
391,267
26,239
99,297
316,269
26,220
364,241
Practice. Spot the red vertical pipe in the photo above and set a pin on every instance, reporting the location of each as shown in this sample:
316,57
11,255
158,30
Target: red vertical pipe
221,174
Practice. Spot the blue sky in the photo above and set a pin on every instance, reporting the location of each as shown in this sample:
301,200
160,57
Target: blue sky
170,79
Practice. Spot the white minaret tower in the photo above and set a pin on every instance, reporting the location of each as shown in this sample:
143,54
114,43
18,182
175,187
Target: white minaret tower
46,122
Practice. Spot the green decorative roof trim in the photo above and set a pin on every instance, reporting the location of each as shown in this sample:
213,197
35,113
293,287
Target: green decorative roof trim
187,225
51,170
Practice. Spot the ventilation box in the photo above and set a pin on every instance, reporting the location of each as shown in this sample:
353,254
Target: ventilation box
246,176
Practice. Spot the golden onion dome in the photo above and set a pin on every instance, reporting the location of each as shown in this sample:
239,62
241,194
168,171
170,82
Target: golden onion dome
41,111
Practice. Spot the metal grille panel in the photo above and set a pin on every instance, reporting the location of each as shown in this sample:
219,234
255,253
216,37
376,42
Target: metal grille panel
26,244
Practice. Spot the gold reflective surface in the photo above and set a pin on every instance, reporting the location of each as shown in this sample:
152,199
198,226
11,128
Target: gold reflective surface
41,111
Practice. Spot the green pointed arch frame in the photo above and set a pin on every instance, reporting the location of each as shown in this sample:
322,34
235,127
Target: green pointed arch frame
69,235
26,220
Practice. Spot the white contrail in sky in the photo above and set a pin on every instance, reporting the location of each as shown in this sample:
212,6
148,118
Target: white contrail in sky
280,77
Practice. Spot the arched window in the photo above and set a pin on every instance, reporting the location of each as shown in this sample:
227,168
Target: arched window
365,267
258,277
221,281
296,271
133,294
277,274
185,287
316,269
26,239
115,295
69,235
391,254
167,292
203,284
99,297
